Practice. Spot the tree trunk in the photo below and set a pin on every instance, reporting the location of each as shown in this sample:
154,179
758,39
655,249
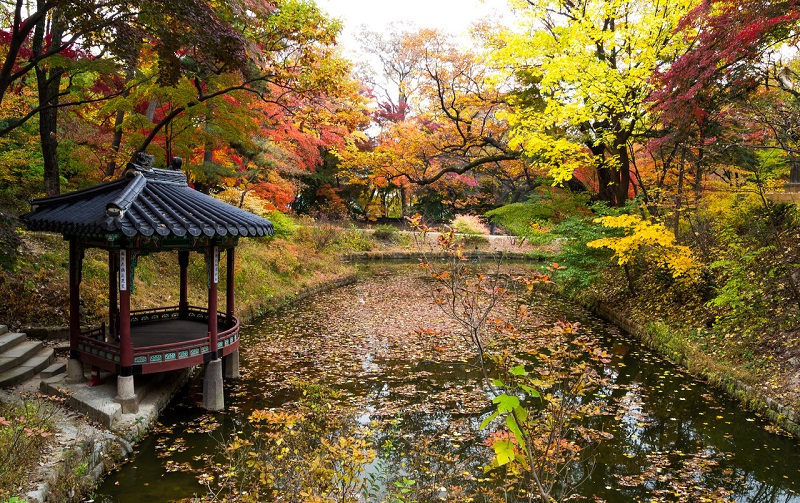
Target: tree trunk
403,202
679,195
607,179
698,179
49,83
150,113
116,141
623,176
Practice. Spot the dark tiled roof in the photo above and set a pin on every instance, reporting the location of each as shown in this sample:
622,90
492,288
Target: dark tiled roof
145,202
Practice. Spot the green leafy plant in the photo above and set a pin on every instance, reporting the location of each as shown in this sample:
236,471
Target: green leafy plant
386,233
283,225
25,427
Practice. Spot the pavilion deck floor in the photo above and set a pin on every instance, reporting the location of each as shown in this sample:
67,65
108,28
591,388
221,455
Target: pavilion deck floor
162,342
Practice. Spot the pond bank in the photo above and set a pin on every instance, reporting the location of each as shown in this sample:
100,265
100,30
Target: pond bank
656,336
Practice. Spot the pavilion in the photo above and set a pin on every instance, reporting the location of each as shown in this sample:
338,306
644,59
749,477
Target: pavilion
147,211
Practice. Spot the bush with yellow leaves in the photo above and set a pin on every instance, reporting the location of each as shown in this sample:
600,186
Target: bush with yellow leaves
648,241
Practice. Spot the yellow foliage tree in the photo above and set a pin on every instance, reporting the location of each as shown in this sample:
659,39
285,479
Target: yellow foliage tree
648,240
583,73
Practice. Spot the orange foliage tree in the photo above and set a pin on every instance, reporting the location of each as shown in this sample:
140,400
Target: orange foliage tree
443,129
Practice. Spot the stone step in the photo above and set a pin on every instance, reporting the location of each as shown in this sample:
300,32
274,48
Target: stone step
8,341
54,369
3,329
18,354
27,369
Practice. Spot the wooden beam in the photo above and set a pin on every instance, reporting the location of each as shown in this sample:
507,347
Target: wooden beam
183,305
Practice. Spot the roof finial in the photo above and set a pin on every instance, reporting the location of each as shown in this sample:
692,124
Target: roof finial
176,164
140,162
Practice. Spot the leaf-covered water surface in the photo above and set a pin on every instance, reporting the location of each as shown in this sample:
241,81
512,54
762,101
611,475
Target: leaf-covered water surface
404,383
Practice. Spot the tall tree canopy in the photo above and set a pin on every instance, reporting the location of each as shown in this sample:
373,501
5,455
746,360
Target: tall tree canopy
583,73
185,77
447,130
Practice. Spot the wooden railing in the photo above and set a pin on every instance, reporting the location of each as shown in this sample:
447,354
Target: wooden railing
193,313
92,341
154,314
169,355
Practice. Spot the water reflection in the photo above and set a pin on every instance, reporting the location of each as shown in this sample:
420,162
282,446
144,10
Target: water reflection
670,433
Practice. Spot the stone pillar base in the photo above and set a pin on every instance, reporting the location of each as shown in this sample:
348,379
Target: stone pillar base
75,371
230,366
213,398
126,395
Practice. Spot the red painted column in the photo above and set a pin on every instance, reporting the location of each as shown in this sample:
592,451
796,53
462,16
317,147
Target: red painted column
229,299
183,305
125,341
74,296
113,308
213,279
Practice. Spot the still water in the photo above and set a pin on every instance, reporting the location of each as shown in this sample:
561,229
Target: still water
670,432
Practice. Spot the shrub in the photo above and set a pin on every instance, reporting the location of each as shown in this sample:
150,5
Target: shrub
385,233
583,264
24,429
283,225
9,240
320,233
354,240
469,224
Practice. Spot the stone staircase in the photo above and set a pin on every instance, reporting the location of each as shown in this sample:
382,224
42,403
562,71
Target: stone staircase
21,359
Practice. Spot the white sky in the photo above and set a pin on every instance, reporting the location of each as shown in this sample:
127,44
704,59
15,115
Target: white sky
454,16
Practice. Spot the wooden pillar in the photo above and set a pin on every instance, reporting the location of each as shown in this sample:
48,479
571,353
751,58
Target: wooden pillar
183,306
230,364
213,279
74,296
74,365
125,342
213,397
113,306
229,298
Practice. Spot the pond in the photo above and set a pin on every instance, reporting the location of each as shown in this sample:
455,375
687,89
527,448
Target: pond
389,352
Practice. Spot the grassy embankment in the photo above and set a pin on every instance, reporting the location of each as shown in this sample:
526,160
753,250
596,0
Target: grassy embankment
268,271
